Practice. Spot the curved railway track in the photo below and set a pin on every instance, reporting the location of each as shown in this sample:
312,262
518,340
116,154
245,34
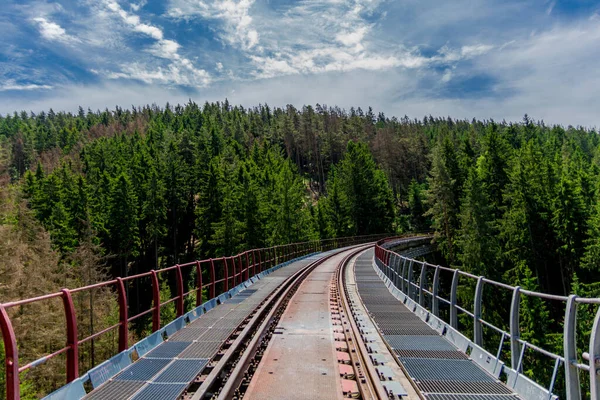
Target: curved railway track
302,337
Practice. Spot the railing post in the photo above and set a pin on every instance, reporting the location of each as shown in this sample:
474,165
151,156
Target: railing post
515,333
213,279
260,264
199,280
571,372
403,282
234,271
72,339
247,266
156,300
123,316
226,270
435,301
396,270
477,325
411,289
453,309
11,360
595,358
422,284
180,291
241,268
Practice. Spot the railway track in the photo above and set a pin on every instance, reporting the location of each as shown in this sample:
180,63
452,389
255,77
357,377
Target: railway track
301,343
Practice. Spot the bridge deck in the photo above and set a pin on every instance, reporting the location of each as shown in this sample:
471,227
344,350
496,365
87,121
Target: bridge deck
300,361
168,369
439,370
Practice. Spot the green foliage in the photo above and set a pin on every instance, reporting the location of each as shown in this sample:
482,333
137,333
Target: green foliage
362,200
416,204
150,187
444,196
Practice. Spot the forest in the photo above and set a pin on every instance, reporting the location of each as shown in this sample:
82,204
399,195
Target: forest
97,194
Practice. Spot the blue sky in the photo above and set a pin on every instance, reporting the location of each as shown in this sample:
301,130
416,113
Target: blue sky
462,58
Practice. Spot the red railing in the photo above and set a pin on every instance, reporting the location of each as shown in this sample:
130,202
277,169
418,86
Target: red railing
224,273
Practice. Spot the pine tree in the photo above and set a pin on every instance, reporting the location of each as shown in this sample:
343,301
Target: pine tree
122,225
335,206
443,197
476,242
416,205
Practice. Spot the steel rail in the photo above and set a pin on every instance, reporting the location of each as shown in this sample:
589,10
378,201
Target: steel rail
257,326
391,351
371,387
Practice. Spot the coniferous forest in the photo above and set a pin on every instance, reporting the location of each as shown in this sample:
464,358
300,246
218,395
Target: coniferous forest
99,194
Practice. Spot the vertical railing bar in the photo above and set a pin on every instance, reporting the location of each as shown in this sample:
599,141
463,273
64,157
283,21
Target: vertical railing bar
199,284
515,332
11,359
453,309
123,316
435,302
72,339
180,291
422,284
411,288
403,284
477,312
226,271
247,266
213,279
572,383
156,301
594,352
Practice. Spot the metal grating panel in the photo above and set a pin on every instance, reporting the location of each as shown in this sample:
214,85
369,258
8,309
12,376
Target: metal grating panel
470,397
115,390
204,322
406,330
161,391
445,370
201,350
463,387
181,371
188,335
168,350
406,342
143,369
216,335
455,354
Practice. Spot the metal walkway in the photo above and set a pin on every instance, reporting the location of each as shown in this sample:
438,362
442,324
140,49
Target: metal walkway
174,358
439,369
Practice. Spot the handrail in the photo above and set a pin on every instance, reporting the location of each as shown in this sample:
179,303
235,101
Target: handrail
393,264
243,266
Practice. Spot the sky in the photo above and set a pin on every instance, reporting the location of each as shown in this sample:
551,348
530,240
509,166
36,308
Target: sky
483,59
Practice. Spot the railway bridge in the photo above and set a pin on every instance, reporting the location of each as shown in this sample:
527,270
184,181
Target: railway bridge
362,317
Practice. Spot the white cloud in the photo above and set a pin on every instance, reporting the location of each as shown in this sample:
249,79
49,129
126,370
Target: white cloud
550,8
179,71
138,6
12,85
447,76
234,14
53,32
166,49
352,38
134,21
